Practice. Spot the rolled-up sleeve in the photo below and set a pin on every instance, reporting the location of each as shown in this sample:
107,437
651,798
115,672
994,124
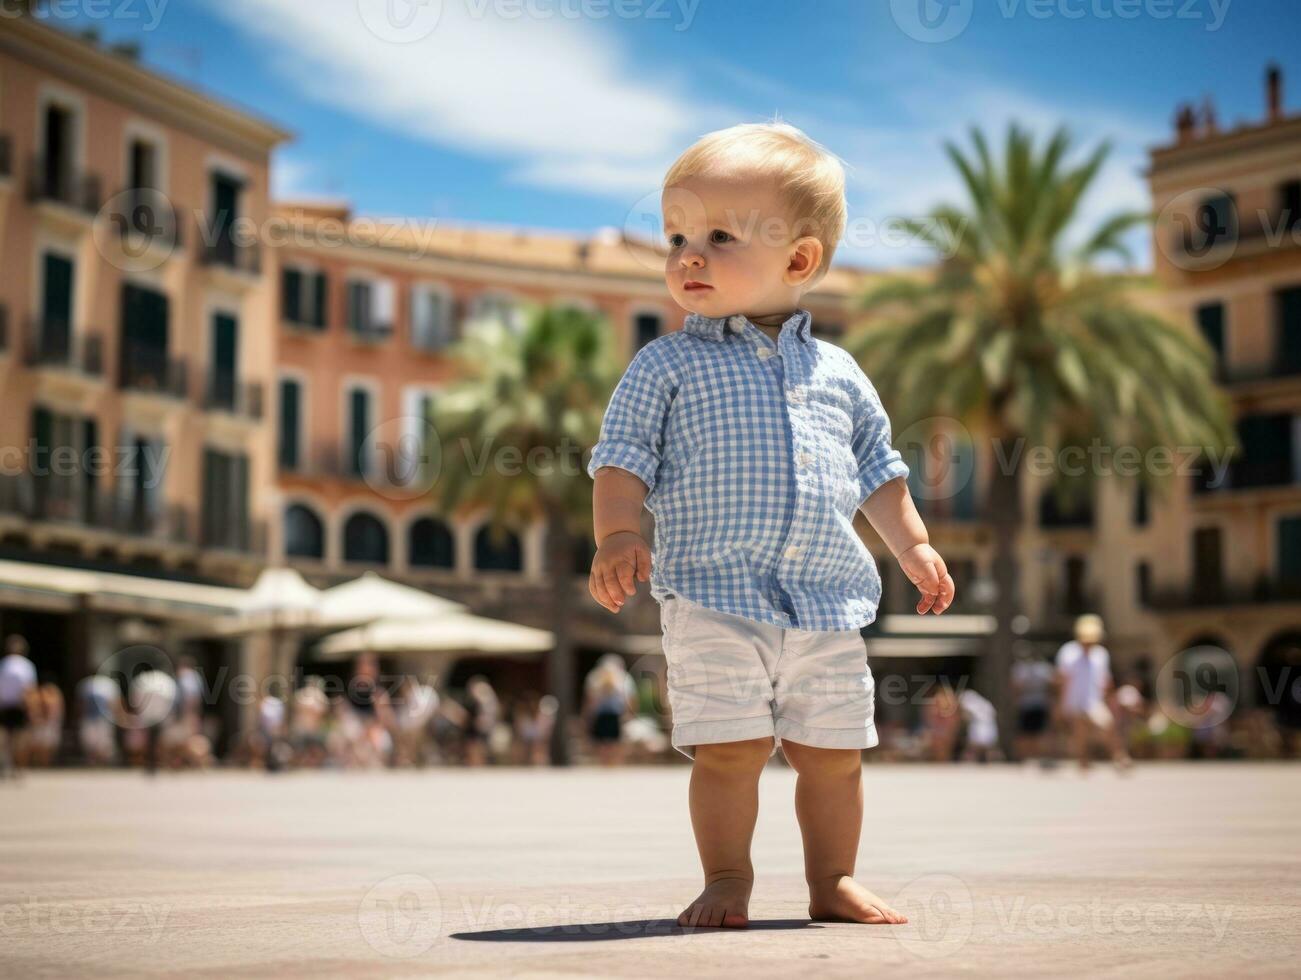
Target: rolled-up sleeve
632,432
878,460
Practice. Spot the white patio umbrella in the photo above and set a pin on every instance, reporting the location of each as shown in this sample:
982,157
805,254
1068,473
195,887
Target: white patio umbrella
370,597
280,603
456,631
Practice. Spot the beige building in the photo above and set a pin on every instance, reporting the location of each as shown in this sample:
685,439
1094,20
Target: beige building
137,345
1229,256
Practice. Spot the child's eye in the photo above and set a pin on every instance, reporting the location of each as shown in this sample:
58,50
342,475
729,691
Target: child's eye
675,241
723,240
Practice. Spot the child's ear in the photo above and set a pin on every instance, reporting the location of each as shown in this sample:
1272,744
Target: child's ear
806,256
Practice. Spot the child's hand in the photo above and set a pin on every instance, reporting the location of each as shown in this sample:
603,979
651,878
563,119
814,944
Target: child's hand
622,558
925,569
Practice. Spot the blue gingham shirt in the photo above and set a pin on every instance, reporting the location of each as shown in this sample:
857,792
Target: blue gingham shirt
757,456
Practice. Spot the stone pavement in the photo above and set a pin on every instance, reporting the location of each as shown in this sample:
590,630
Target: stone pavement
1177,870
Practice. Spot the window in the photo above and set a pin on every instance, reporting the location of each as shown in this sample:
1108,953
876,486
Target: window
223,368
356,463
370,308
54,334
1287,329
1210,321
1076,599
225,517
1266,459
224,194
302,297
498,306
143,165
289,450
430,544
1208,570
1073,511
498,551
431,318
62,491
1143,583
1288,542
646,327
365,539
143,361
139,482
1289,204
1141,505
304,533
1216,222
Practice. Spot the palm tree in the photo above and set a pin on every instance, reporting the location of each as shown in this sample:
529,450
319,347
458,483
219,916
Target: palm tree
1017,334
529,401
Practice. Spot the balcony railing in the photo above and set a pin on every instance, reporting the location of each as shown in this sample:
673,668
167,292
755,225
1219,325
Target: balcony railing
63,185
370,333
248,539
1251,234
383,465
149,369
242,398
54,344
143,213
133,517
76,500
220,250
1196,595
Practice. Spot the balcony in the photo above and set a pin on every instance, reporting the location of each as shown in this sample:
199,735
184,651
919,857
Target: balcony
146,223
80,503
71,193
51,344
242,399
1265,589
1194,249
148,370
382,465
370,333
249,538
131,517
236,263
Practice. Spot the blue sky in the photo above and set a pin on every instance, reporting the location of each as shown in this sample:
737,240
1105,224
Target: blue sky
546,114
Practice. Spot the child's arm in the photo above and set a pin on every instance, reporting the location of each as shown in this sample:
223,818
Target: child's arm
891,511
624,467
889,507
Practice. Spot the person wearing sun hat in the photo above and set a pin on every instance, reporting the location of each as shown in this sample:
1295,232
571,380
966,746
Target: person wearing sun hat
1084,673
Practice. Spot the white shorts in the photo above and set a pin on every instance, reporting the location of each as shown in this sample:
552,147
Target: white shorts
732,678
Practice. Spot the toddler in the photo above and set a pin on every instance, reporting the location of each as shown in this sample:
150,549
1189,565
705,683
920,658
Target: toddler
753,444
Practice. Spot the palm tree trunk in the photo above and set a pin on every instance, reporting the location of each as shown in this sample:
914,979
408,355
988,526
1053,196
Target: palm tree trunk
1005,521
560,666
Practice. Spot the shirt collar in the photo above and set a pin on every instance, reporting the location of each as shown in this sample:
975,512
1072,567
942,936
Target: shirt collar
714,327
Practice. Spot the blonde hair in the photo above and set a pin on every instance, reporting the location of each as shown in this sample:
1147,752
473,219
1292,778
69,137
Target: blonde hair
810,178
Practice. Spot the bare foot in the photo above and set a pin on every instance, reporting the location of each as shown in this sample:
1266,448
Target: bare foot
725,902
842,899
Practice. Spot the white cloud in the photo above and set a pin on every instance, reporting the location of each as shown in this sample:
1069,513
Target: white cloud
556,94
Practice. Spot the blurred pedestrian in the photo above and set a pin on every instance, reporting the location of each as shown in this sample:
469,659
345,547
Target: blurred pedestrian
982,728
45,727
1033,679
152,696
942,721
413,710
609,696
1084,670
482,713
98,701
17,681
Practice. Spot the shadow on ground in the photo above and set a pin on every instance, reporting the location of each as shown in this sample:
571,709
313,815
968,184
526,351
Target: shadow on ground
581,932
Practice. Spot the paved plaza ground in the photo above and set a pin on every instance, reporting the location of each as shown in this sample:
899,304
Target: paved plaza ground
1178,870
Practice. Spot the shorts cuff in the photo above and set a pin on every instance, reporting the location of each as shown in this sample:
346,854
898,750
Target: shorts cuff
685,737
864,737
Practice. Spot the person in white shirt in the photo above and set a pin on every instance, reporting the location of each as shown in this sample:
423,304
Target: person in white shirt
982,727
17,680
1084,672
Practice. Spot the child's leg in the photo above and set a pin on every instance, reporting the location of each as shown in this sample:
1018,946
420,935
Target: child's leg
724,798
829,807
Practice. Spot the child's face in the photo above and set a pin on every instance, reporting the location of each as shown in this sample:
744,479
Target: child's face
734,236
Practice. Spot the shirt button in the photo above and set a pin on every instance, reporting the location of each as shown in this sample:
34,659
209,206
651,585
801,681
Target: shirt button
764,353
804,459
793,551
